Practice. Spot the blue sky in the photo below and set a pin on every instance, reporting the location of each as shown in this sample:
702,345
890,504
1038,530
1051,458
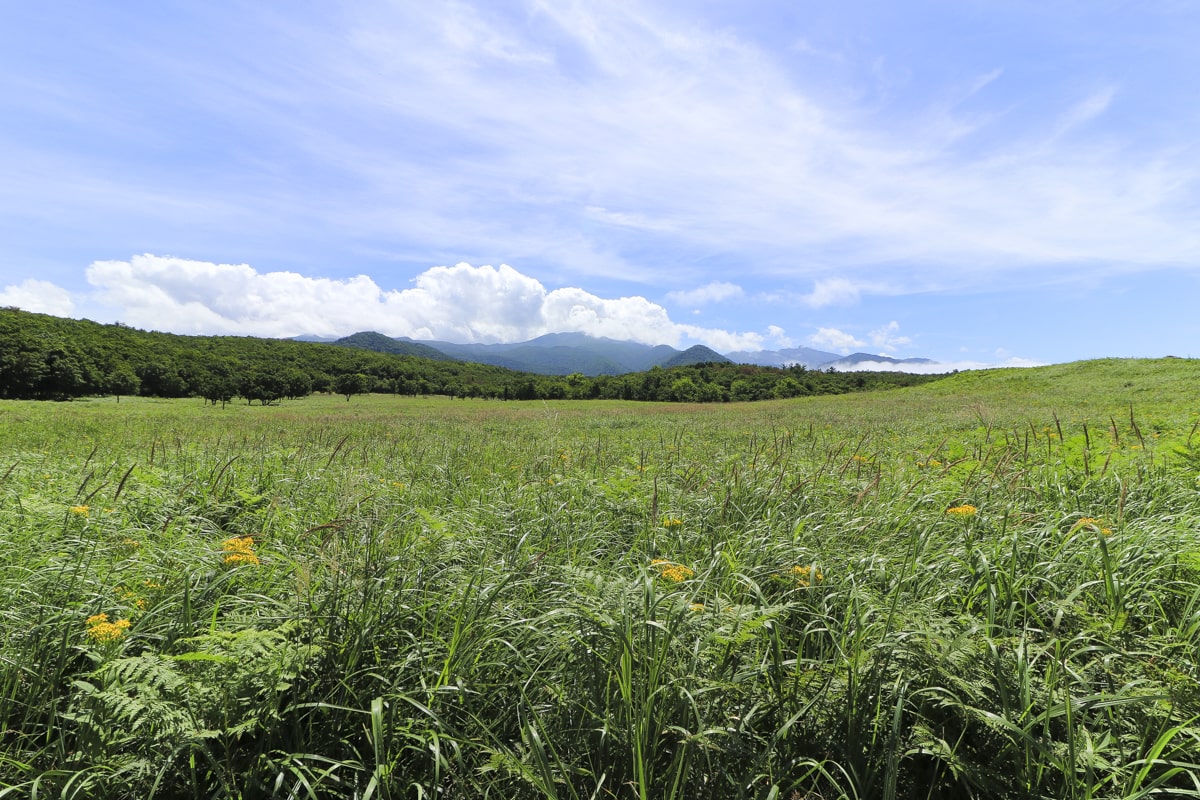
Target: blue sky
974,182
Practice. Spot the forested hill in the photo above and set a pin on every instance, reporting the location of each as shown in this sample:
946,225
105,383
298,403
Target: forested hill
51,358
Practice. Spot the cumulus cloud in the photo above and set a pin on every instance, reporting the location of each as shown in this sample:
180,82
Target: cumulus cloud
887,338
778,337
833,339
713,292
40,296
185,296
461,303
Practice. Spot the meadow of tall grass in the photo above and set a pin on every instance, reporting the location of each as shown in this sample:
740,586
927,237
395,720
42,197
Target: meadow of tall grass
985,586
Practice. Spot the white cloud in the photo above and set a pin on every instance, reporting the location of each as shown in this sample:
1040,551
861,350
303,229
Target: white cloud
1085,111
886,338
590,135
627,220
714,292
724,341
643,73
833,339
185,296
42,297
938,367
778,337
462,303
831,292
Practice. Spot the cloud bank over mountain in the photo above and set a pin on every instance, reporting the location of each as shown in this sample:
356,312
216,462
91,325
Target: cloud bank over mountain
462,303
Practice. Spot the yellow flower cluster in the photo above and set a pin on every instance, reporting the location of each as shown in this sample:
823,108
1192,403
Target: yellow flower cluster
1093,524
697,607
131,597
99,629
671,522
806,576
965,510
671,571
239,550
81,511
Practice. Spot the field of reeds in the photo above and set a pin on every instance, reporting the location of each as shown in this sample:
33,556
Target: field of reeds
987,586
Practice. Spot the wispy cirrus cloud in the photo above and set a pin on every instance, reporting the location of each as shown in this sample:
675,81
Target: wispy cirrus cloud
833,292
554,130
714,292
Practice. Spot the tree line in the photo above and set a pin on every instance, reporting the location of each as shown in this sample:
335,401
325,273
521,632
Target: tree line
51,358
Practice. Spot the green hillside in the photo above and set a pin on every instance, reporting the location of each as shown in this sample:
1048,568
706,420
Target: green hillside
50,358
369,340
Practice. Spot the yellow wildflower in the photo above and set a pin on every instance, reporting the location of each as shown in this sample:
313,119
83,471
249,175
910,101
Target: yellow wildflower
239,550
965,510
671,571
131,597
806,576
101,630
697,607
79,510
671,522
1093,524
133,544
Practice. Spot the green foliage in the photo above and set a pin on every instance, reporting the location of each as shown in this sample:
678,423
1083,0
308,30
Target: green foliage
48,358
352,383
409,597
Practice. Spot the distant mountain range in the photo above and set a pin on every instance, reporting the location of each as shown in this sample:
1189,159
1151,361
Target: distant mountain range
567,353
804,356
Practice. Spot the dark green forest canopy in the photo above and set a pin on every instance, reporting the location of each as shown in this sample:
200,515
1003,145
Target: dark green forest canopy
51,358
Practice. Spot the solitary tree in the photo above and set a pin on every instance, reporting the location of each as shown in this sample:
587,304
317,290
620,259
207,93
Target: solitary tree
351,383
122,380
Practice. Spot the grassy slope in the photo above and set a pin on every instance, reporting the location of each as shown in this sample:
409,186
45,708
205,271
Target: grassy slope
462,596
